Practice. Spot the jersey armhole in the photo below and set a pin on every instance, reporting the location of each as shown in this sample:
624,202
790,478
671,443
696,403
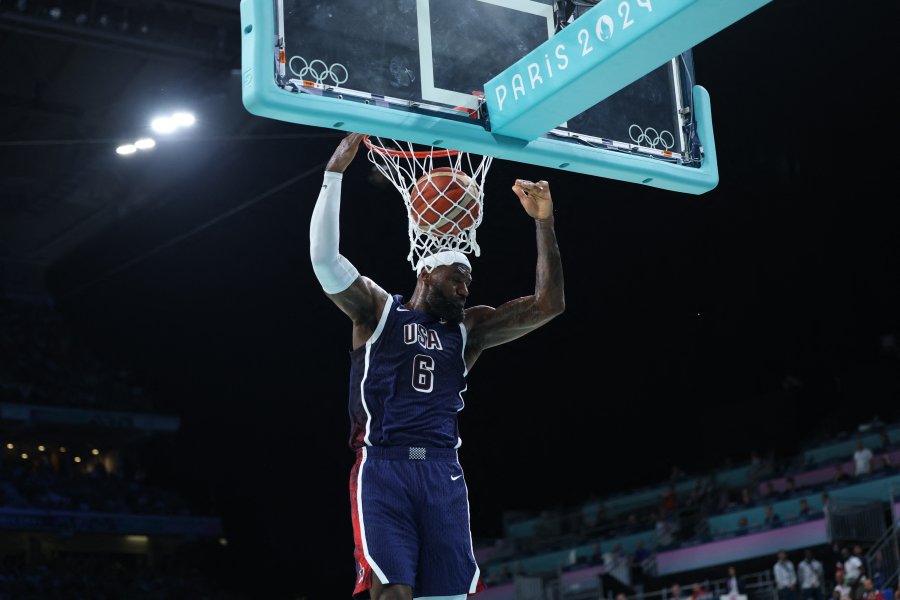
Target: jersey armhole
385,312
462,350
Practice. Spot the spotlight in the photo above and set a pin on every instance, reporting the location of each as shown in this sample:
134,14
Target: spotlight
183,119
24,456
163,125
10,446
95,452
41,448
145,143
78,459
126,149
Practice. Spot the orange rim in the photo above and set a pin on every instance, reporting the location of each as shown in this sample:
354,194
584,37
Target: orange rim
403,153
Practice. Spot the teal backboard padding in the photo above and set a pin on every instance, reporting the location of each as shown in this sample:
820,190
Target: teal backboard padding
605,49
264,97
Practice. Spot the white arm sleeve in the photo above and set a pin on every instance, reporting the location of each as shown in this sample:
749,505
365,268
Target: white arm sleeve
334,272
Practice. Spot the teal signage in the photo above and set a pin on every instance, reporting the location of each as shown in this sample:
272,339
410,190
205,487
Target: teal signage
607,48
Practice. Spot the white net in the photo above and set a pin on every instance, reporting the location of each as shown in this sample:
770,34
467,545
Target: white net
443,191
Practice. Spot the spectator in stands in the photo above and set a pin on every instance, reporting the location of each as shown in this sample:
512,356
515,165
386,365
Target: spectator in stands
746,498
772,519
596,555
785,577
812,576
805,511
862,458
826,511
841,589
669,502
768,491
640,570
743,526
853,570
791,487
839,474
884,440
621,596
665,532
869,591
732,583
757,468
697,592
875,569
675,592
836,563
619,554
631,523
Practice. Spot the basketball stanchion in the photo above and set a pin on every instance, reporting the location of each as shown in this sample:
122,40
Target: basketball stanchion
443,191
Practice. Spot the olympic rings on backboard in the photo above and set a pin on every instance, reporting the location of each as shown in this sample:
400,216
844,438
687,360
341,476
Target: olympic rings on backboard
651,138
319,71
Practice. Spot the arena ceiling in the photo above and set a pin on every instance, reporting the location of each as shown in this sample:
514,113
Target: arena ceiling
79,78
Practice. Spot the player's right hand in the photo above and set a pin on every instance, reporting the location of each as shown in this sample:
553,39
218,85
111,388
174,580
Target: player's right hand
344,153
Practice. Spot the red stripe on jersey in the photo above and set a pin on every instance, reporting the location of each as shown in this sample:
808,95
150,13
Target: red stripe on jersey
363,570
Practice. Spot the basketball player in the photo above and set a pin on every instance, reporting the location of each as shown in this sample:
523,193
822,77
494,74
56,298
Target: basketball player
409,361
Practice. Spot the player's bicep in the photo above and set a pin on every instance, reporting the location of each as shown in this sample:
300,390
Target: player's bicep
363,301
488,327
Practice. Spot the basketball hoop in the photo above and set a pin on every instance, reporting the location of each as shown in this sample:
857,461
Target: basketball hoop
443,191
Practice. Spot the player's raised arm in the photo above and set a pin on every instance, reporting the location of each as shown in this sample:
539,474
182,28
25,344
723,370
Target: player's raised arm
358,297
488,326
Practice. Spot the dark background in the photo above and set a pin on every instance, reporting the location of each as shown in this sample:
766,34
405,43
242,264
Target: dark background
698,328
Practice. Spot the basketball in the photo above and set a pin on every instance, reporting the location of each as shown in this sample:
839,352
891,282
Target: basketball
444,202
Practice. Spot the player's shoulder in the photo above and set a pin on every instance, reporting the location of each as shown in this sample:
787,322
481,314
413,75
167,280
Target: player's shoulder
475,315
477,312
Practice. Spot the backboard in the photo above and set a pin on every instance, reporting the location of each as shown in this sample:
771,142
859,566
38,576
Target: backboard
416,70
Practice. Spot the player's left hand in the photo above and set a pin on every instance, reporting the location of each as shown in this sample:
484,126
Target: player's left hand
344,153
535,198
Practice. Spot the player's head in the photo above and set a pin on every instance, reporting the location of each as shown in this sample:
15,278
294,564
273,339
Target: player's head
445,278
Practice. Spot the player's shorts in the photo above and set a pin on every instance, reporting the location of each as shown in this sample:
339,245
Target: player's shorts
410,510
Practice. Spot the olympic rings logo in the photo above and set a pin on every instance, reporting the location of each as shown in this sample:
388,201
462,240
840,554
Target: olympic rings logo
319,72
650,137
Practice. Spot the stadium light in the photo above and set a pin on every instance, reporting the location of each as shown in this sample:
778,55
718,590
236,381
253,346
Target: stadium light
62,449
78,459
183,119
166,125
10,446
126,149
95,452
163,125
145,144
24,456
41,448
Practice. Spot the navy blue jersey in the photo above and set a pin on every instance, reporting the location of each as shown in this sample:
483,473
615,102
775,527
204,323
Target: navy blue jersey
407,382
